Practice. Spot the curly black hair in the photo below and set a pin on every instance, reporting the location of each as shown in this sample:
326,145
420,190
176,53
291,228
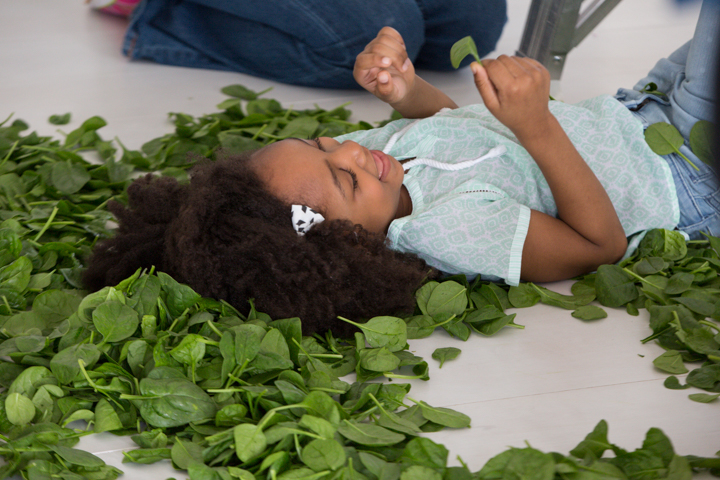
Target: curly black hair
228,238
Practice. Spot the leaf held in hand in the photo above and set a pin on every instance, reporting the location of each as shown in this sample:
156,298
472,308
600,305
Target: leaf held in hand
461,49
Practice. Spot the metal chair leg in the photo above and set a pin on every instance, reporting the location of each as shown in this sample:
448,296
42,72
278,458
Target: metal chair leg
554,27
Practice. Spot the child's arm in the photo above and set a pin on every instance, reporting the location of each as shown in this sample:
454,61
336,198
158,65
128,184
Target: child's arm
587,232
385,70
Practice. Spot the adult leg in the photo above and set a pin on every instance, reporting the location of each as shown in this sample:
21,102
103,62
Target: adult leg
688,75
694,95
689,79
447,21
301,42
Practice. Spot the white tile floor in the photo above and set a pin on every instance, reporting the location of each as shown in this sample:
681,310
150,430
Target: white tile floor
548,384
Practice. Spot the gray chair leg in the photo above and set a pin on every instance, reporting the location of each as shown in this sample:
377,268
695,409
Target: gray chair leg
554,27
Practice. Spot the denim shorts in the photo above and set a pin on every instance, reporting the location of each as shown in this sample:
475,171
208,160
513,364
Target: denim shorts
698,191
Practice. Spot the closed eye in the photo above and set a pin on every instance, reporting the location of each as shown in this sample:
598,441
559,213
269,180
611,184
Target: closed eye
352,175
319,145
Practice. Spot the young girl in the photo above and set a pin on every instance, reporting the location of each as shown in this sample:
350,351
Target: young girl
517,189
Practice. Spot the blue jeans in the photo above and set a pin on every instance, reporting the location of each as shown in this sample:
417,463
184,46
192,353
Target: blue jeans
688,77
305,42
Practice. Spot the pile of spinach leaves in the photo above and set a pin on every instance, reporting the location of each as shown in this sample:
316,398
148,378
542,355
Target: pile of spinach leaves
226,396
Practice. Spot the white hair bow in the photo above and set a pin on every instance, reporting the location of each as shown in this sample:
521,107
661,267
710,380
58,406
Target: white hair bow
304,218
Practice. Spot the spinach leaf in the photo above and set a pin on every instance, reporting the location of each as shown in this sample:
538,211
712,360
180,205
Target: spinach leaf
702,142
461,49
171,402
664,139
589,312
614,286
444,354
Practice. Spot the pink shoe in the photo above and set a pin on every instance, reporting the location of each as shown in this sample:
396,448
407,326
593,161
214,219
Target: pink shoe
122,8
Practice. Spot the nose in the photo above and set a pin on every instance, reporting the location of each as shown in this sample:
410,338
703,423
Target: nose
352,151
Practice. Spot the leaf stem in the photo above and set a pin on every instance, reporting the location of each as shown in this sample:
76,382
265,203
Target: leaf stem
211,326
710,324
688,160
443,323
12,149
47,224
633,274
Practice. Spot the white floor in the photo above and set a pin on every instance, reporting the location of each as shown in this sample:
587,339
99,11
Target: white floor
548,384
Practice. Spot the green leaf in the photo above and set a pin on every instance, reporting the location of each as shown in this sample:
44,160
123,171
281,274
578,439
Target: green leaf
614,287
19,409
423,451
323,454
448,297
115,321
659,444
703,397
239,91
679,283
16,276
60,119
190,350
671,362
523,296
378,359
171,402
65,366
595,442
494,326
179,296
419,472
673,383
664,139
422,295
387,332
703,142
461,49
705,377
444,354
444,416
668,244
184,452
368,434
589,312
247,342
106,418
568,302
380,468
250,441
77,457
300,127
69,177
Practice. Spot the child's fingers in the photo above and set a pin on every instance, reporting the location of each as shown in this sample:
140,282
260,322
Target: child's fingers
391,33
484,84
383,57
383,53
385,85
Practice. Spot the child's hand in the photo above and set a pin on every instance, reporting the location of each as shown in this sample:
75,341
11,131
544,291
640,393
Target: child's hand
384,68
516,91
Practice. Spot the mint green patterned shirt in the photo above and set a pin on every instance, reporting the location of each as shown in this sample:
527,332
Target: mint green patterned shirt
475,220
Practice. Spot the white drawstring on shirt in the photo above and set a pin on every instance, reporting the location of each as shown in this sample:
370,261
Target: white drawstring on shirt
492,153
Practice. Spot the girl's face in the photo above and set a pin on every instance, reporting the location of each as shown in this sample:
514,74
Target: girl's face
340,180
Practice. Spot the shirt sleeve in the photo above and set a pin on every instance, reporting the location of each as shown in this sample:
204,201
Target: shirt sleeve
473,233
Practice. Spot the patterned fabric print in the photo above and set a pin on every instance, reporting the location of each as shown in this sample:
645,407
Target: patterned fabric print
474,221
